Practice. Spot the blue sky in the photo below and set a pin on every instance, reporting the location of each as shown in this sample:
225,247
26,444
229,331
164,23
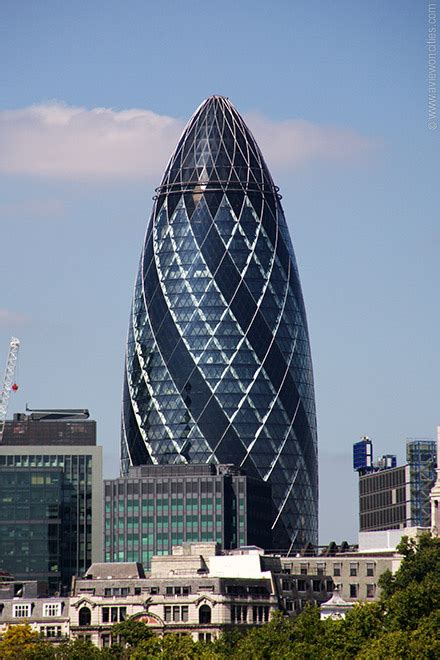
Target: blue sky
336,94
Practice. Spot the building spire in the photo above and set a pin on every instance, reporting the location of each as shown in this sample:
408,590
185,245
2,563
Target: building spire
435,494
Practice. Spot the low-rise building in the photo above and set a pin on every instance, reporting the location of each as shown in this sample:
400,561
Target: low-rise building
29,602
194,590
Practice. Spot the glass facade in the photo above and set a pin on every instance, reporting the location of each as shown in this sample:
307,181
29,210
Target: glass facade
46,516
218,365
422,460
30,523
155,508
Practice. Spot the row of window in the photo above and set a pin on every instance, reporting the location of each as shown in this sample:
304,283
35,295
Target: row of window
354,590
241,614
24,610
321,568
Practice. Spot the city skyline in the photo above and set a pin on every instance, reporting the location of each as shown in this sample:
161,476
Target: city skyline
337,99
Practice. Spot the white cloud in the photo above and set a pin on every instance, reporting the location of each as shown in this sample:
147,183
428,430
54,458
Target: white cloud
292,142
55,140
9,319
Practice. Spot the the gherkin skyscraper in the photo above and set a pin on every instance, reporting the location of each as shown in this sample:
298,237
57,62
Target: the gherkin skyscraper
218,365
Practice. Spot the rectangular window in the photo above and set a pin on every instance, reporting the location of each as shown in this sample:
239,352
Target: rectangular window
176,613
320,568
301,585
337,569
353,590
304,569
371,590
185,612
51,631
114,614
105,641
370,569
353,569
105,614
21,611
167,613
52,609
316,585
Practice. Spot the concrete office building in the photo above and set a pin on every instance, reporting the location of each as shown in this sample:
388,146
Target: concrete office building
391,496
218,365
155,508
51,497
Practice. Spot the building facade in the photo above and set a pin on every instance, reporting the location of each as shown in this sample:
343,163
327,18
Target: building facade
391,496
185,592
50,498
218,366
29,602
157,507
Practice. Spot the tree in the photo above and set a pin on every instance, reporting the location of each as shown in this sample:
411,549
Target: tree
414,591
20,641
421,560
132,632
77,649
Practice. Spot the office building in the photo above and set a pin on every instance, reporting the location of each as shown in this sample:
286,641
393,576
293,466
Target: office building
218,366
51,497
392,496
157,507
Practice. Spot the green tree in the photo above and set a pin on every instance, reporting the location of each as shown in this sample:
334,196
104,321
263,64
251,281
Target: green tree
20,641
132,632
414,591
77,649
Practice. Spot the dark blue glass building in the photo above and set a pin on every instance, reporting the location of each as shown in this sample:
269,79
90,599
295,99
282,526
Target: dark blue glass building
218,366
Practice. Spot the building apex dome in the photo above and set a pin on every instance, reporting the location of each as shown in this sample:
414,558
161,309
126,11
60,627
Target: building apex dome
217,151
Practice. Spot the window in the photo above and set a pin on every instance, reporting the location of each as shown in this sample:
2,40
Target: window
371,590
353,590
260,613
316,585
84,616
205,614
105,614
154,591
370,569
320,568
176,613
52,609
105,641
204,637
137,591
51,631
21,611
301,585
337,569
304,569
353,569
239,613
285,585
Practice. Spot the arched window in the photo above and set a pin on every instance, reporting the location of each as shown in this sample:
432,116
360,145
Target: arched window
205,614
85,616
